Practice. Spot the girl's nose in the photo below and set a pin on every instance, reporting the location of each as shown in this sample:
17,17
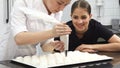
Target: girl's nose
80,21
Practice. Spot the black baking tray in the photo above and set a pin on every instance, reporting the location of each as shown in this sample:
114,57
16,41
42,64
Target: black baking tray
93,64
21,64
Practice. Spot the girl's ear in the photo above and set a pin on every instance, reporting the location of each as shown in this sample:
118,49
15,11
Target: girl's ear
90,16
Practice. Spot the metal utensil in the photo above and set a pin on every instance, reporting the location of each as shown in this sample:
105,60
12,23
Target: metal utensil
65,39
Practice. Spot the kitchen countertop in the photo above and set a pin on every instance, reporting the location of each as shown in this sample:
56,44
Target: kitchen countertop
113,30
115,63
116,55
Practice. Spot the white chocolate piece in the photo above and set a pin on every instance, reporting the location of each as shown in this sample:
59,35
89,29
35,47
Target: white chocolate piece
27,60
43,61
19,59
59,59
51,60
35,60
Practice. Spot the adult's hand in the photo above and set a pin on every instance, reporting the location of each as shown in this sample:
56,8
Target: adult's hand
57,45
61,29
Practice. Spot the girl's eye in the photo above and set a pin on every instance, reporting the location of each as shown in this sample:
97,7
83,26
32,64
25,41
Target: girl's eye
83,17
75,17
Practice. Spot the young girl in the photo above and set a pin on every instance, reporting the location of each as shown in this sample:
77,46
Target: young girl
86,31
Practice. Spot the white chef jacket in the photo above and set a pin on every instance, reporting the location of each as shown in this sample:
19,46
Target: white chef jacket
21,22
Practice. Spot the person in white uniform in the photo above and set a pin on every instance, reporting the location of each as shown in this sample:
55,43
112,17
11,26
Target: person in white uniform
28,31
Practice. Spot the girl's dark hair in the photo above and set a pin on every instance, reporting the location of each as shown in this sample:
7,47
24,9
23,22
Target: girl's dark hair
81,4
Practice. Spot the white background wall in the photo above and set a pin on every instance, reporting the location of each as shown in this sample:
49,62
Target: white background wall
1,12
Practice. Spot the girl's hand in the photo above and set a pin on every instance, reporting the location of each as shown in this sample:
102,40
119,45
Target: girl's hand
86,48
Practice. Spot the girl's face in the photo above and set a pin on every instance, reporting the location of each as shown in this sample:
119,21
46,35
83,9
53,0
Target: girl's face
54,6
80,19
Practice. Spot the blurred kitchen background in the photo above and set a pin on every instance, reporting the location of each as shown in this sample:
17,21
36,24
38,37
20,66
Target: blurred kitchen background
105,11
